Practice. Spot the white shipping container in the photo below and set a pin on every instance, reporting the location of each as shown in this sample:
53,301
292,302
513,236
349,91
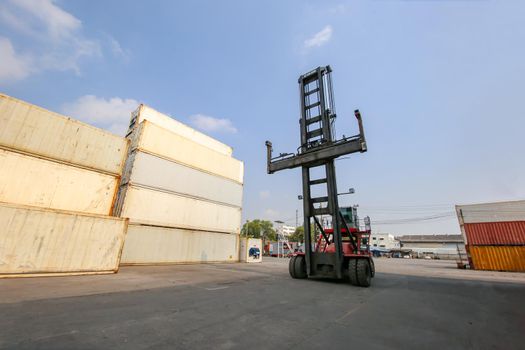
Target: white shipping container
162,245
491,212
43,183
35,241
153,139
153,207
29,128
144,112
151,171
251,250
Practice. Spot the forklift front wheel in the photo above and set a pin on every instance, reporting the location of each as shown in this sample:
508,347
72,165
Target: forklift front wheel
300,267
291,266
364,273
352,272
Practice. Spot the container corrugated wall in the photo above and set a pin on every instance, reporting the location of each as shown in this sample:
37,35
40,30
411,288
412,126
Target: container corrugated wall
498,258
500,223
147,113
162,245
153,139
155,207
29,128
37,241
154,172
43,183
492,212
496,233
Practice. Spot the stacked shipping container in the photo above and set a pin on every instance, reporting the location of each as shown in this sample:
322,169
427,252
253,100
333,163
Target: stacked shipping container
58,183
494,235
182,191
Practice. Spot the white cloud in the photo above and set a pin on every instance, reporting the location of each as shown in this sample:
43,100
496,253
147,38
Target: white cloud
212,124
55,39
116,49
264,194
67,56
319,38
13,66
112,114
33,17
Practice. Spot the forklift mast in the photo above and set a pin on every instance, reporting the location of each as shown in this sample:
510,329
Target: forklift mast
318,150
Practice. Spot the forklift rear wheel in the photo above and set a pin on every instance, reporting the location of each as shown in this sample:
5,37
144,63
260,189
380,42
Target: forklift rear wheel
372,267
291,266
364,273
300,267
352,272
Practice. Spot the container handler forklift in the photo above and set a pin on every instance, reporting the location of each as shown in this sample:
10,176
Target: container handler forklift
340,251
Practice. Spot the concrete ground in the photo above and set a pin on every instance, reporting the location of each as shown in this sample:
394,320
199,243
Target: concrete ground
411,304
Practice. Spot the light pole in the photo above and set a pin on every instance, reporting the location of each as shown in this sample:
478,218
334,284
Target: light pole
279,236
350,191
299,197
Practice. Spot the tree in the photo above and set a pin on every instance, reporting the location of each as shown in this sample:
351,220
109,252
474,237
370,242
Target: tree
298,235
259,229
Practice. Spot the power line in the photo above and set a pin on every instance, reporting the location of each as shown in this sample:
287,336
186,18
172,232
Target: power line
415,219
432,216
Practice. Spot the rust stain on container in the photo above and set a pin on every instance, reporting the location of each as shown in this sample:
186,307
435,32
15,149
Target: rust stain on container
498,258
496,233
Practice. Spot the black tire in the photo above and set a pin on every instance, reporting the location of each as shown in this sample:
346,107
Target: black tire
364,273
372,267
300,267
291,266
352,272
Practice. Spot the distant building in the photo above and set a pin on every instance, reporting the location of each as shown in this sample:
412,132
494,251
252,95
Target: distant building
383,241
442,246
287,231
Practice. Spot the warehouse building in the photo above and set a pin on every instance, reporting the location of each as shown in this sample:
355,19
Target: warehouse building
433,246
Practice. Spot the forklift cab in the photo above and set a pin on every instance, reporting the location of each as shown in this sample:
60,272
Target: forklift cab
350,216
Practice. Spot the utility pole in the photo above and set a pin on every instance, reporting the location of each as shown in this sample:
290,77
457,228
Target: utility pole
262,236
279,232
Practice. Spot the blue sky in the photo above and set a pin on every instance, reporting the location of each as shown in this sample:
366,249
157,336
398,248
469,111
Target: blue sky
440,85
